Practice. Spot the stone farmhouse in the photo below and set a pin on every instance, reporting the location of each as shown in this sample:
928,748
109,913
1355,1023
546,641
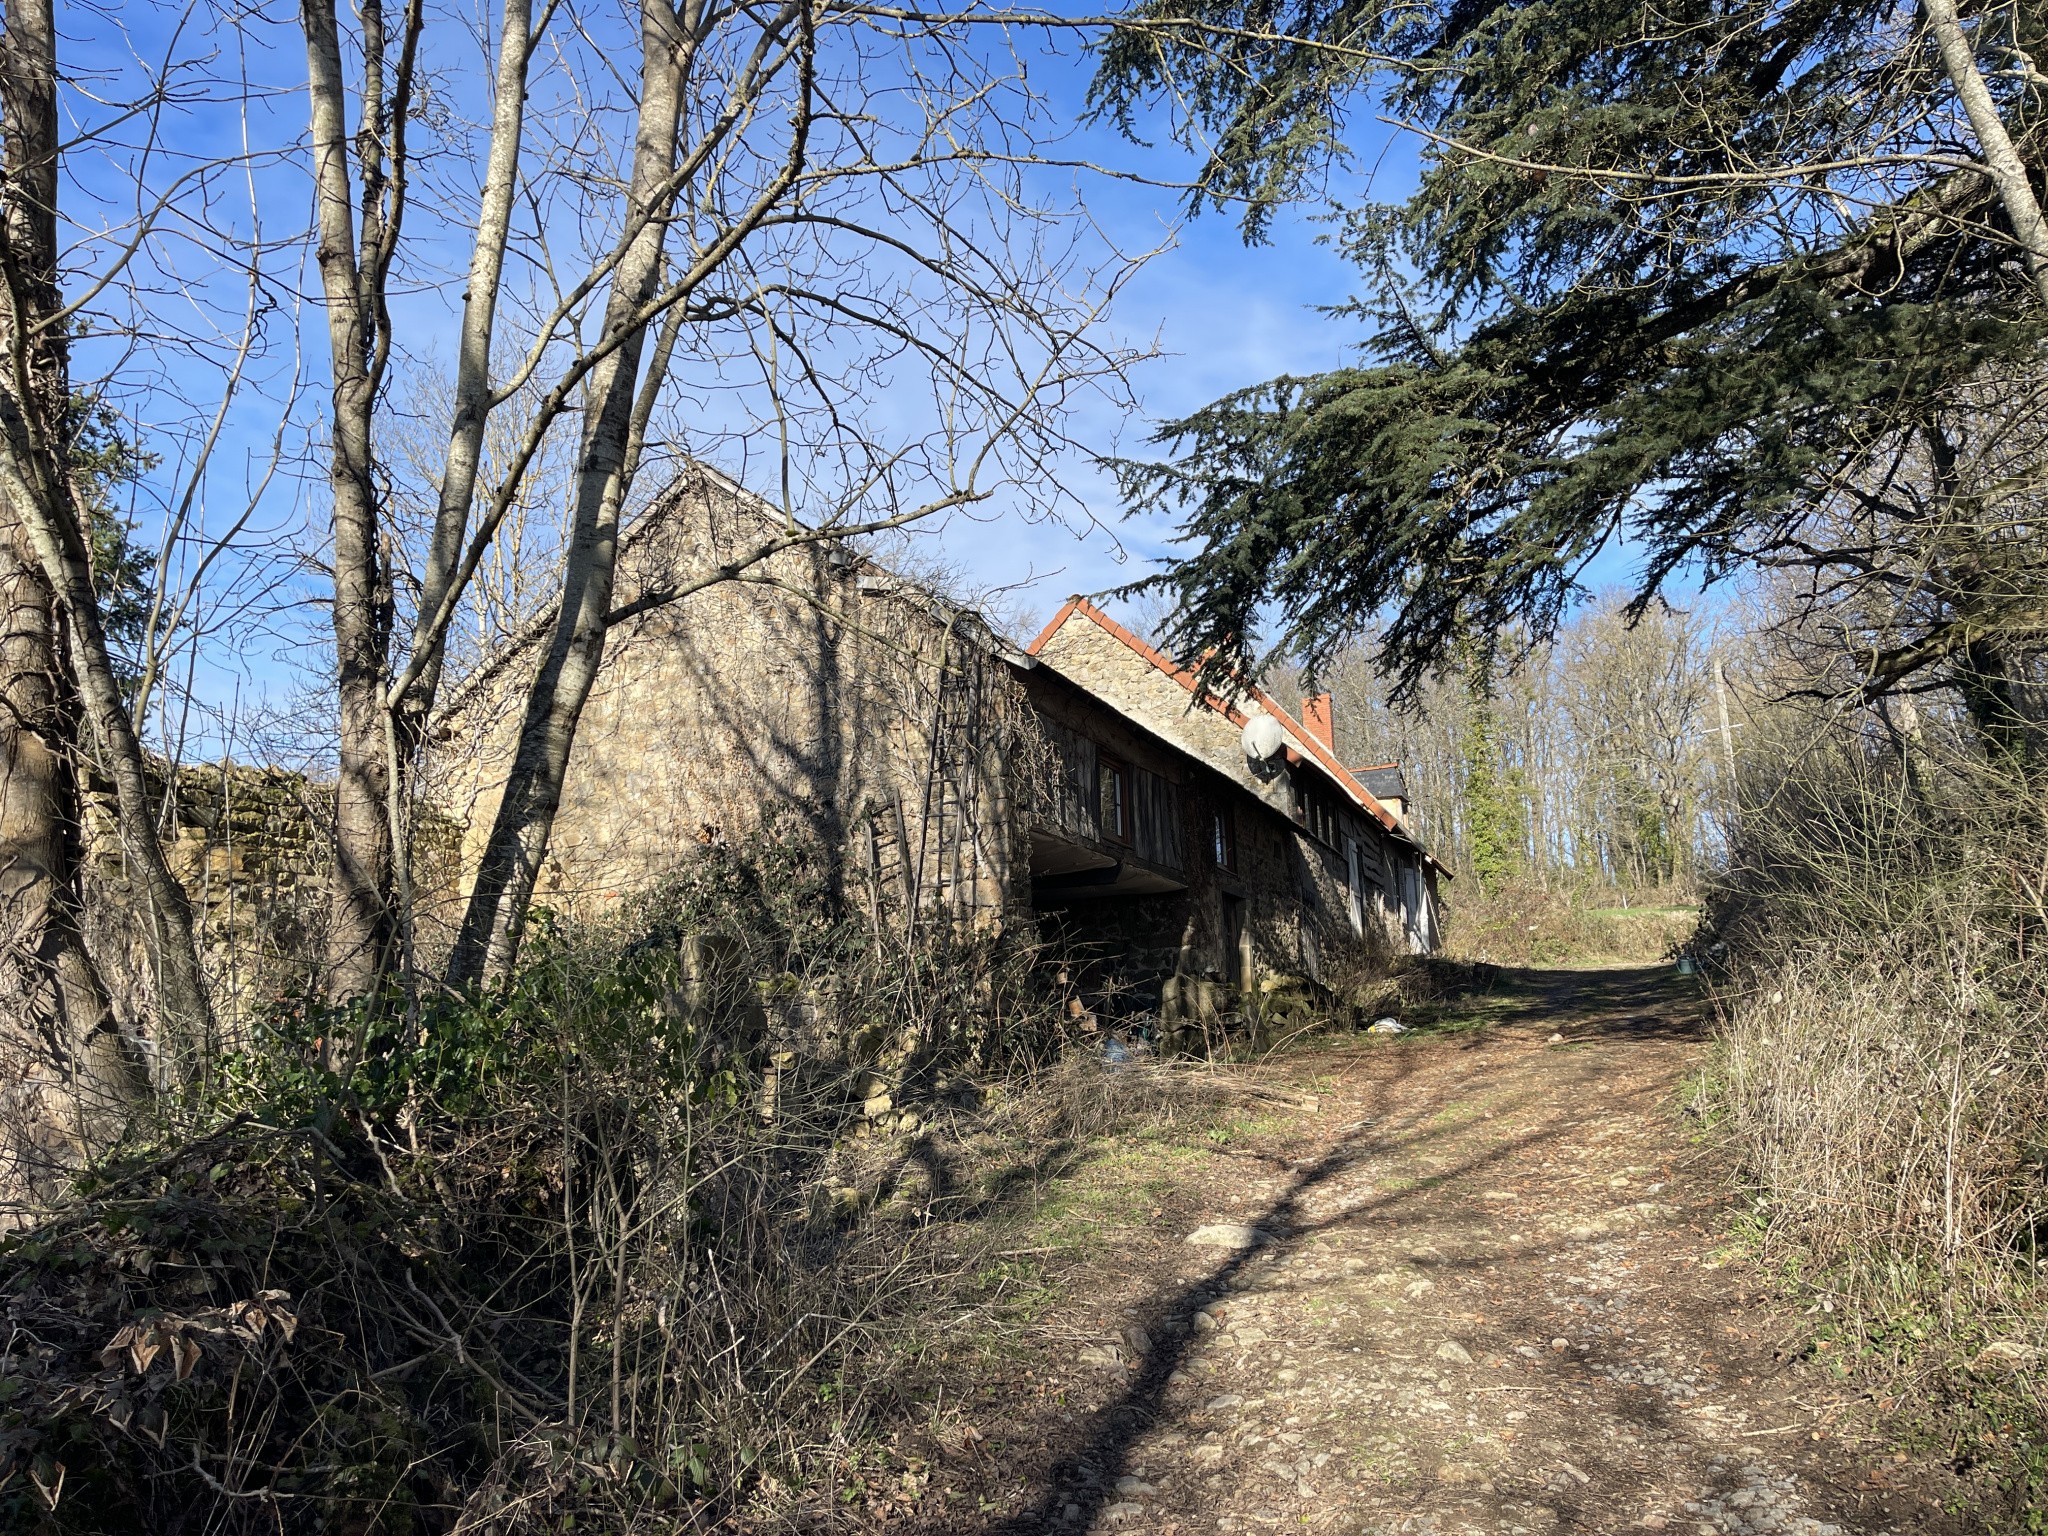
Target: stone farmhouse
1173,844
1082,784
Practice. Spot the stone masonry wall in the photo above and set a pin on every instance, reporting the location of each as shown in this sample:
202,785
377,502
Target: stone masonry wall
817,690
252,847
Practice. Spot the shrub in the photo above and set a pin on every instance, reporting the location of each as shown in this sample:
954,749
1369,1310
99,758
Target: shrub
580,1255
1883,1061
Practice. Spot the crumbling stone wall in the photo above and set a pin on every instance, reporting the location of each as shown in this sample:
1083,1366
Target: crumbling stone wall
248,845
252,847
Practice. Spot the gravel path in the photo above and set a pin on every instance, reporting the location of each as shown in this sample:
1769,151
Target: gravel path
1480,1282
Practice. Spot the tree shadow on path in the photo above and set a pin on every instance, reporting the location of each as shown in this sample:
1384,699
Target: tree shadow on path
1573,1098
1617,1007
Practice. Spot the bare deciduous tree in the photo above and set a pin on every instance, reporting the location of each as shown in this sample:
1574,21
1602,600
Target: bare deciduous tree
1923,571
60,683
841,206
1597,741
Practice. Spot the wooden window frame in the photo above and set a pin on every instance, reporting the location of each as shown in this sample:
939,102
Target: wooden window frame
1223,839
1114,771
1317,814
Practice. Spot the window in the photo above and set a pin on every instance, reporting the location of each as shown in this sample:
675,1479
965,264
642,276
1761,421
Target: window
1223,839
1316,813
1113,780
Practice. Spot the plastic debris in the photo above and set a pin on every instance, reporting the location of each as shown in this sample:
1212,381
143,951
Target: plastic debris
1387,1027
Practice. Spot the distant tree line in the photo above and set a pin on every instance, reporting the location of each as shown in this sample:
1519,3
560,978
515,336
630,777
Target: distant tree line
1596,762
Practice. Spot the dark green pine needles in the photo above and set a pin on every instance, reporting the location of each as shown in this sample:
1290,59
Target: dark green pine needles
1671,272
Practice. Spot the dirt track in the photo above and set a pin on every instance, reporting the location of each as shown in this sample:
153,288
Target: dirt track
1491,1290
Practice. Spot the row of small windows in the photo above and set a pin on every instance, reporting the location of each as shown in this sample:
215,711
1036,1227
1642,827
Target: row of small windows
1317,814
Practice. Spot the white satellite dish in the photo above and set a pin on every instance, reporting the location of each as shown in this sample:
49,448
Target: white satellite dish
1264,741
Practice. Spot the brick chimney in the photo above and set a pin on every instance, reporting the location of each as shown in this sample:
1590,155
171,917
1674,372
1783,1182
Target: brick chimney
1315,714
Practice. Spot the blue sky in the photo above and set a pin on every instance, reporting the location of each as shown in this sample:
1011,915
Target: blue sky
1223,316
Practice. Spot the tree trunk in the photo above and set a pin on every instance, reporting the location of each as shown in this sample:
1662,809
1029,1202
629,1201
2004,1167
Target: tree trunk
69,1078
35,481
1901,717
184,1015
472,403
1727,730
1994,142
1995,696
361,939
493,922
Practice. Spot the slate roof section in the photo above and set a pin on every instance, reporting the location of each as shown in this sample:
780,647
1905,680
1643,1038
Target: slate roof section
1385,780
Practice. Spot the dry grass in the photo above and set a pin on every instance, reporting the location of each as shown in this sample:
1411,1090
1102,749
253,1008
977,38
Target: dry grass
1883,1072
1895,1125
1528,924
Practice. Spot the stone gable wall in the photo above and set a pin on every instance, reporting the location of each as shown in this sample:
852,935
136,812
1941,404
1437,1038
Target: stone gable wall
883,725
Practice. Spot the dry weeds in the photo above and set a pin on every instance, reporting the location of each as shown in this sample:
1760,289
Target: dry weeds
1884,1072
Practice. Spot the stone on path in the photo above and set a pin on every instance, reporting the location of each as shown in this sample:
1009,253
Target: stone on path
1227,1234
2004,1355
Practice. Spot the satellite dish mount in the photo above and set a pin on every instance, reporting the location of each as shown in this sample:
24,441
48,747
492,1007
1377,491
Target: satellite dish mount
1265,745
